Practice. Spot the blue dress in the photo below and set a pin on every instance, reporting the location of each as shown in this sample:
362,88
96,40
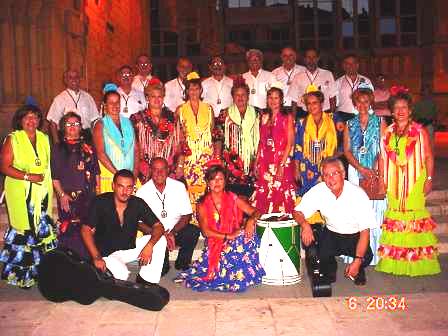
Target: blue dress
239,268
365,147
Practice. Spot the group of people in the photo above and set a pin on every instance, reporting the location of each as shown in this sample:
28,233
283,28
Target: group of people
211,156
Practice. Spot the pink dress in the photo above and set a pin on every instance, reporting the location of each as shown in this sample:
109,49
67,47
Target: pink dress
273,194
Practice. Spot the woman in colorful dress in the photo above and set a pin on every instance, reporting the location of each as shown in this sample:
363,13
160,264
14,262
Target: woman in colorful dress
229,261
75,171
407,243
316,140
196,118
25,160
362,136
114,140
157,131
239,125
275,187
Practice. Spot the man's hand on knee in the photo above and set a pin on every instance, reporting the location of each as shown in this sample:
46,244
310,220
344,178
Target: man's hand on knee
145,255
307,235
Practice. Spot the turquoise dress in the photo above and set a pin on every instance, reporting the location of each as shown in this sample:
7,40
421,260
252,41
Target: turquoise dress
365,147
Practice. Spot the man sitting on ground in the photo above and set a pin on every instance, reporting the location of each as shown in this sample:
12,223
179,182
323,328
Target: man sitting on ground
169,200
110,235
349,217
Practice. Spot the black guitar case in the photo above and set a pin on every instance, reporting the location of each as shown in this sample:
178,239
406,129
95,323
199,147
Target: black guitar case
64,276
320,284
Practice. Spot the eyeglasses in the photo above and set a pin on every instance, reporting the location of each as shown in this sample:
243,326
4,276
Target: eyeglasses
126,75
73,124
335,173
215,64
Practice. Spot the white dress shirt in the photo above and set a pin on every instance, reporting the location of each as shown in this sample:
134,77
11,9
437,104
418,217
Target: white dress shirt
80,102
174,200
132,103
259,86
217,93
285,77
350,213
345,87
174,93
140,82
321,78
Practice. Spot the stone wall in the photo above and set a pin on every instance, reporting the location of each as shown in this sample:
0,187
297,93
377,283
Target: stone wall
39,39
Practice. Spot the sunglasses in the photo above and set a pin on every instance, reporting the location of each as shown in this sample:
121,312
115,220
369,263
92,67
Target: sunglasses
73,124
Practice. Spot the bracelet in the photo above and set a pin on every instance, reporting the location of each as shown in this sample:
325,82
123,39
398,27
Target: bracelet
26,177
98,258
62,194
429,178
358,257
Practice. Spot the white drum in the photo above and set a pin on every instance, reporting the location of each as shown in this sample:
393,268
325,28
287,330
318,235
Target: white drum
279,249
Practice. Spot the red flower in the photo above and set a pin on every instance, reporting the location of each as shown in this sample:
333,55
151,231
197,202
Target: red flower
213,162
186,149
170,127
163,125
396,89
154,81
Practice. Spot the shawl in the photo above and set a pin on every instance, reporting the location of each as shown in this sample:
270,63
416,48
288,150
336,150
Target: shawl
17,191
242,136
226,222
119,146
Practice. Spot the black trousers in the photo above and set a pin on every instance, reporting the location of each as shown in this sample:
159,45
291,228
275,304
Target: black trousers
186,239
332,244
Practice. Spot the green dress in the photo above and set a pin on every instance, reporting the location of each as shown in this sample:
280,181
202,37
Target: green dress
31,231
407,243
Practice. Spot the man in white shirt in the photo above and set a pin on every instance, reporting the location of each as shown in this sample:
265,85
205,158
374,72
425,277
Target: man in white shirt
131,101
322,80
349,216
72,99
174,89
258,80
169,201
346,85
286,72
144,68
216,89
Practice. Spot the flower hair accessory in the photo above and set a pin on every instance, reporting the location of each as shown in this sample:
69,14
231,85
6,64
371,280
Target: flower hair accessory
193,75
213,162
311,88
154,81
397,89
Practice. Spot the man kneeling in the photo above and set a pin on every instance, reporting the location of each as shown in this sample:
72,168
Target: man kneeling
349,217
110,234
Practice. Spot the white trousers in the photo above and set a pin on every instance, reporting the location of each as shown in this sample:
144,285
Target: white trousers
116,262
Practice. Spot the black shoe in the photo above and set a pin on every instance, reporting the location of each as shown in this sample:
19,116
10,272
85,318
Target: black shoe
181,267
141,281
360,279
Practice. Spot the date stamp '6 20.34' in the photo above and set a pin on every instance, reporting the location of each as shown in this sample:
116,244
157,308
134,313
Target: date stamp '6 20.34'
377,303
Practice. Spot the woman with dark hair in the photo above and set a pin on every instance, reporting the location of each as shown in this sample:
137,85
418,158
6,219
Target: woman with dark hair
362,136
407,243
25,160
315,140
75,171
196,119
157,131
114,140
229,261
275,187
238,126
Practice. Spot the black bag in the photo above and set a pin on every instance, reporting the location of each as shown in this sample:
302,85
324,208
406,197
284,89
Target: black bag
64,276
320,284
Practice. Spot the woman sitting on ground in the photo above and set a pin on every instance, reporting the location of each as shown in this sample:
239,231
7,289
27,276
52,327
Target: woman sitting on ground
229,261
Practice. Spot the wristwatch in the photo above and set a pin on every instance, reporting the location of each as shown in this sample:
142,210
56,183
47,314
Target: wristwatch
358,257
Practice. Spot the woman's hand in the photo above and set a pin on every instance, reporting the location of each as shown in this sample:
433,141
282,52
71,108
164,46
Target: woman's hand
249,230
35,178
234,234
367,173
65,200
